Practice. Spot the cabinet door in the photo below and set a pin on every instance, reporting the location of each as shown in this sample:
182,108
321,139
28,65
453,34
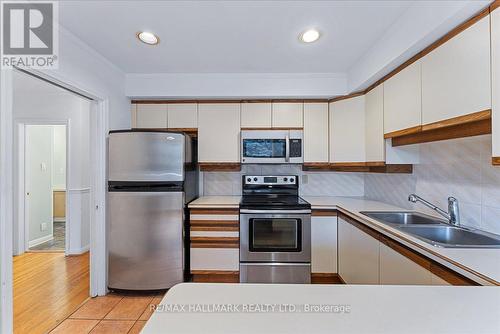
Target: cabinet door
256,115
399,270
315,132
287,115
219,132
358,255
153,116
495,76
324,244
347,130
456,75
374,125
403,99
183,116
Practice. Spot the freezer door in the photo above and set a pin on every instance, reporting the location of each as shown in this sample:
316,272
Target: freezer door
146,156
145,240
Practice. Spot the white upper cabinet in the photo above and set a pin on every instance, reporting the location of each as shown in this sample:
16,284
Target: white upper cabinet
256,115
403,99
495,76
287,115
374,125
219,132
152,116
456,75
182,115
347,130
316,132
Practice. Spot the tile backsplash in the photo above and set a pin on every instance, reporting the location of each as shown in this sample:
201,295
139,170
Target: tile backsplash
311,183
460,168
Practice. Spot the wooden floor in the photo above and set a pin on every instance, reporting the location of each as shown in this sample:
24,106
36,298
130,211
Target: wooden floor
48,287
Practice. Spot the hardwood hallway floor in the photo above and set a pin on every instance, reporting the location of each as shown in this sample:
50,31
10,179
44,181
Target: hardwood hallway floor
48,287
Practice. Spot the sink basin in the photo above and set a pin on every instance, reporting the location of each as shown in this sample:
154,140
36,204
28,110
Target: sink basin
449,236
402,218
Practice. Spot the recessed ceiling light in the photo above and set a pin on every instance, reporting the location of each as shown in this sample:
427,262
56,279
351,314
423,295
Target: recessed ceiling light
309,36
148,37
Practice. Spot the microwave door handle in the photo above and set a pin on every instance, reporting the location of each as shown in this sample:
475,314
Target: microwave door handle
287,148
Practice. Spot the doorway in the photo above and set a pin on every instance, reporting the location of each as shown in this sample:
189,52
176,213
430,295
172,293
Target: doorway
45,187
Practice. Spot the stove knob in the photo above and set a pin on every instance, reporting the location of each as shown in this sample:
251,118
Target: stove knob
249,180
292,180
285,179
255,179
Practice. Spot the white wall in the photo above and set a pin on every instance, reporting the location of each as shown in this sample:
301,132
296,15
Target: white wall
38,153
59,157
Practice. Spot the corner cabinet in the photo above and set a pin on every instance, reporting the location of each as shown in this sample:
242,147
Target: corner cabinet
456,75
219,133
347,131
495,80
403,100
315,132
374,125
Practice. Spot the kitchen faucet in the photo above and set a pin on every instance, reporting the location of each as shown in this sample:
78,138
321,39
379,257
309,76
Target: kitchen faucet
452,215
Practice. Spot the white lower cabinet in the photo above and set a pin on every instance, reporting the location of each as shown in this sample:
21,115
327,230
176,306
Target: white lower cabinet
324,244
398,269
358,255
208,259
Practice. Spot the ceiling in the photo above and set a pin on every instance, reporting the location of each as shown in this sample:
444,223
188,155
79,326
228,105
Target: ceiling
231,36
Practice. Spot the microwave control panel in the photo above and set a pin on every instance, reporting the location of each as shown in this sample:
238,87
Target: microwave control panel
295,148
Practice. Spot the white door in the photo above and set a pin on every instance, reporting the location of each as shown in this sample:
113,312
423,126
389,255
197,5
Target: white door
38,184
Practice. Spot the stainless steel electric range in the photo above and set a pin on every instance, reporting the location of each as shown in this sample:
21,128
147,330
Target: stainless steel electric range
275,231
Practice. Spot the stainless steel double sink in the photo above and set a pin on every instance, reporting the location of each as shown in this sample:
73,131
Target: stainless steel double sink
435,231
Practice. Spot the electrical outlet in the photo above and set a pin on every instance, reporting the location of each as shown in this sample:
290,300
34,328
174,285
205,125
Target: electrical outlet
43,227
43,167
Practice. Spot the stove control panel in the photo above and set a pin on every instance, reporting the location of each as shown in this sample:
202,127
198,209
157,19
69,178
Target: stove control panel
271,180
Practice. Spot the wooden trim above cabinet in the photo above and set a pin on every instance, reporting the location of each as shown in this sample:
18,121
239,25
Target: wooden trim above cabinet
215,242
220,166
215,276
272,128
214,211
326,278
494,5
362,167
436,268
495,161
458,127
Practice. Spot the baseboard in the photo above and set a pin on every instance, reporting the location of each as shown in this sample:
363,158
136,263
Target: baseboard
78,251
215,276
39,241
326,278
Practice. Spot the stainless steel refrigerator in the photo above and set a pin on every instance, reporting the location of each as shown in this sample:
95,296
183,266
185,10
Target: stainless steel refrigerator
152,176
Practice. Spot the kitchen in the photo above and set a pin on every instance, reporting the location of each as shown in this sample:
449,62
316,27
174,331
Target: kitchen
327,208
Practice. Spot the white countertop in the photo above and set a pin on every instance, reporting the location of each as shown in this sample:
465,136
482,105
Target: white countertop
480,265
372,309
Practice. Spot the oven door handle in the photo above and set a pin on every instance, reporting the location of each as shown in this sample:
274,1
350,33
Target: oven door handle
286,212
287,148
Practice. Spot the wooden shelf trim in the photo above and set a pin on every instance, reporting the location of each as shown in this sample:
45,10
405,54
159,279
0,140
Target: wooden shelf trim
216,211
324,213
220,166
215,242
362,167
495,161
474,124
215,225
215,276
403,132
326,278
436,268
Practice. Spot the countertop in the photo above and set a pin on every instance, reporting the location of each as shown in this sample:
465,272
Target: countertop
281,308
480,265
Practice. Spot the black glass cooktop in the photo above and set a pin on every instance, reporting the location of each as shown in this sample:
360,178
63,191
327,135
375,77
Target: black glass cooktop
273,202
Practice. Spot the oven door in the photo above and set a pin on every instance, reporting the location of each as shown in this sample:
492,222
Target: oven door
275,236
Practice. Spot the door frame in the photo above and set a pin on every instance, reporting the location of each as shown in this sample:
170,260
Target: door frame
98,138
22,244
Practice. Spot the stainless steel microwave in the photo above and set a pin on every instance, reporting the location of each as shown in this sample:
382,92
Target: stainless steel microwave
272,146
